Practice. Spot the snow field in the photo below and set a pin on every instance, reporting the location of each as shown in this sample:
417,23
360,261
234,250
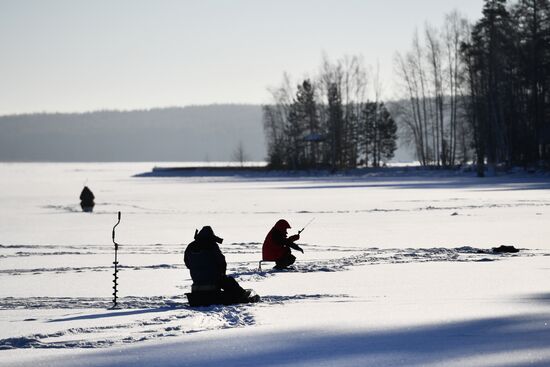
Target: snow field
397,270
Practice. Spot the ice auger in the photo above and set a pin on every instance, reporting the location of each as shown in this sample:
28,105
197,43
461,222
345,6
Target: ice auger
115,280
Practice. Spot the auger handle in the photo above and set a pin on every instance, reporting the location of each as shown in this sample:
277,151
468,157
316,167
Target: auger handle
117,223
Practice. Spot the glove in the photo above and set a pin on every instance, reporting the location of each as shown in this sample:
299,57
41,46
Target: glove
294,238
300,249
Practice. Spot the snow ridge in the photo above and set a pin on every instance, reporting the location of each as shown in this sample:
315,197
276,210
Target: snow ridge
162,316
376,256
177,319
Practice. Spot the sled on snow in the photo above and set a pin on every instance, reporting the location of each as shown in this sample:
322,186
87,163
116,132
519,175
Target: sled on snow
207,296
263,262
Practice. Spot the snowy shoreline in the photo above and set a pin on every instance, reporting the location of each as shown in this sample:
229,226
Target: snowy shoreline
260,169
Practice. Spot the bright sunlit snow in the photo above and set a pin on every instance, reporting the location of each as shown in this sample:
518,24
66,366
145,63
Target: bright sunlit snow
398,269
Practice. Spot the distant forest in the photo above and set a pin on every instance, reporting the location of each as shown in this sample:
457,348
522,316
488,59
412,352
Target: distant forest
469,93
329,122
194,133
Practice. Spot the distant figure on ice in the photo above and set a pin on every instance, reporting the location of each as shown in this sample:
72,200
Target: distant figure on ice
87,200
277,246
207,266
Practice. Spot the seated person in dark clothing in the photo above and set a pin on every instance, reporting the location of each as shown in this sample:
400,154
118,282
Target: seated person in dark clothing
277,246
207,266
87,199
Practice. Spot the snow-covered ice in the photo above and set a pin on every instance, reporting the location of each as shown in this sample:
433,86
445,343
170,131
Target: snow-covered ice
397,270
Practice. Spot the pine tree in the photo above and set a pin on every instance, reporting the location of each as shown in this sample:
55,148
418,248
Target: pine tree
335,126
295,132
532,57
379,134
387,133
491,68
306,107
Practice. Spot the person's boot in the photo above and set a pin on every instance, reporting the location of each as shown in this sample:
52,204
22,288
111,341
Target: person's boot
252,297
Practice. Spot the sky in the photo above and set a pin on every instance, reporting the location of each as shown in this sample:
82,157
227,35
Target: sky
78,56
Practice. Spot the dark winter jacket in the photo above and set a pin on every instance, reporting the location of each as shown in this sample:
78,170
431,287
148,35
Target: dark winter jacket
205,260
87,197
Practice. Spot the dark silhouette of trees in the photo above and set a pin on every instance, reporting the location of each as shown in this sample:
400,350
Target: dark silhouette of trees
322,123
379,133
304,120
491,42
472,93
484,86
335,126
507,59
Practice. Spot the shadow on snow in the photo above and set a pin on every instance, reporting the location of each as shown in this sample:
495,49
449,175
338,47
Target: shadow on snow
488,341
114,313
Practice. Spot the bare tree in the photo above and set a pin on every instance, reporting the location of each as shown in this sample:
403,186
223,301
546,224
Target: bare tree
239,154
434,58
410,69
455,32
275,119
432,76
345,81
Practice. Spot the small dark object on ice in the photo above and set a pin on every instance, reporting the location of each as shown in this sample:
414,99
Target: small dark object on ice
87,200
505,249
219,297
455,213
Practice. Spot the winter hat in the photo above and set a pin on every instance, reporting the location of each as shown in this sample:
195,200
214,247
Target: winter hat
206,233
281,225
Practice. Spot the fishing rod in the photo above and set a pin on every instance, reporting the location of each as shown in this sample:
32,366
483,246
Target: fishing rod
307,224
115,280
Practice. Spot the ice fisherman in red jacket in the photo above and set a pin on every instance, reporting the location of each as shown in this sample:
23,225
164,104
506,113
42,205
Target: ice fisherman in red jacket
277,245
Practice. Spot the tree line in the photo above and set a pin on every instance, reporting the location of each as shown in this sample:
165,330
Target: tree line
328,122
507,62
480,92
469,93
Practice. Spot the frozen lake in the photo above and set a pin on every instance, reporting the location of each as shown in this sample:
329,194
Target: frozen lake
39,205
386,253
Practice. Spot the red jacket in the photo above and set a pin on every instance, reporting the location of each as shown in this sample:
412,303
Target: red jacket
275,245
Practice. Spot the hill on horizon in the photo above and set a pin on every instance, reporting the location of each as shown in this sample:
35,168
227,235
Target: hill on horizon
192,133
